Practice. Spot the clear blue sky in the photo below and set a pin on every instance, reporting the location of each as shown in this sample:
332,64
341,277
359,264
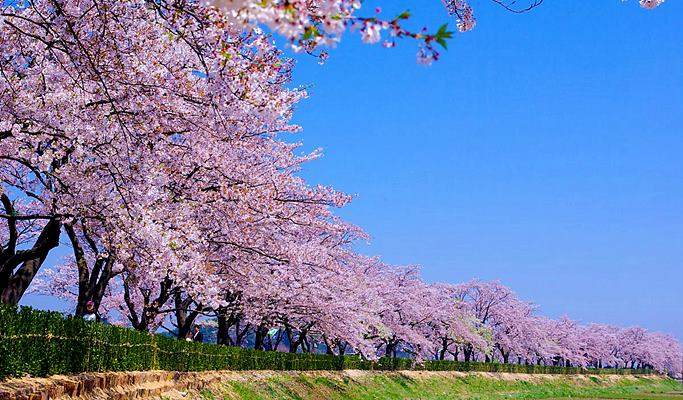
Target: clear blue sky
544,150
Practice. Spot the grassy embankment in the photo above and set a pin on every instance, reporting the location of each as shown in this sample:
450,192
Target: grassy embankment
437,385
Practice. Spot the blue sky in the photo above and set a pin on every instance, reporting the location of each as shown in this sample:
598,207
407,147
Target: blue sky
544,150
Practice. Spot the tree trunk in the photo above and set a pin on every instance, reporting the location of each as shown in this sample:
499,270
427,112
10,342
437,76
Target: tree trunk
304,345
441,354
260,335
341,346
223,334
467,352
184,317
389,350
240,334
91,284
293,344
328,346
455,353
150,310
13,284
278,340
444,348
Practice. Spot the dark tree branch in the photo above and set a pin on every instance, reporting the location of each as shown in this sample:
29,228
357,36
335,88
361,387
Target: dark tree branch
510,6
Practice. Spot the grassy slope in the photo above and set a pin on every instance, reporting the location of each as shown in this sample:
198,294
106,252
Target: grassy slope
357,385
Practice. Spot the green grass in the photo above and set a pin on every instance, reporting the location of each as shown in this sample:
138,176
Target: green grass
394,385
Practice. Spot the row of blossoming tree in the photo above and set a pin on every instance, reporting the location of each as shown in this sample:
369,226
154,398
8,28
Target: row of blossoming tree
146,135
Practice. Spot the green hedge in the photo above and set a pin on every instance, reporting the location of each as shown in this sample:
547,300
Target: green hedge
42,343
438,365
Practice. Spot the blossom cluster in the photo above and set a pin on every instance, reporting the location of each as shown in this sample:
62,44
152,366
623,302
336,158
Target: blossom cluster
650,4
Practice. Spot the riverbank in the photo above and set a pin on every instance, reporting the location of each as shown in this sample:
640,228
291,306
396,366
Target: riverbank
363,385
331,385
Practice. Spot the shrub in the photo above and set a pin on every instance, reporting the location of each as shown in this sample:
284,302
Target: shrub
42,343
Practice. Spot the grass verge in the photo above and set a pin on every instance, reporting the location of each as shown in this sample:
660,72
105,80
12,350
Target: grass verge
363,385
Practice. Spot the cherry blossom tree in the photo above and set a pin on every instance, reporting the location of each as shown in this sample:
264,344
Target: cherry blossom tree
309,25
105,148
498,308
600,342
453,324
